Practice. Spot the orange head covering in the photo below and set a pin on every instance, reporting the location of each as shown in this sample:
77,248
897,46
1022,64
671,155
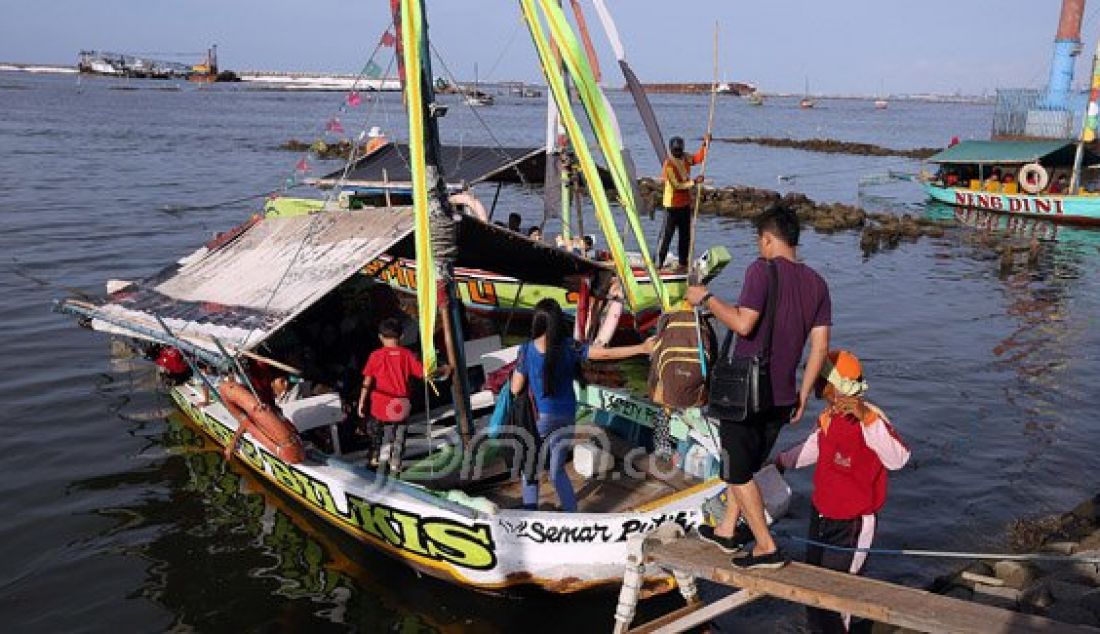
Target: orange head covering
844,372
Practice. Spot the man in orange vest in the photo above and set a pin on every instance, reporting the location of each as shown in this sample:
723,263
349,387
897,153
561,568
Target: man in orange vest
677,201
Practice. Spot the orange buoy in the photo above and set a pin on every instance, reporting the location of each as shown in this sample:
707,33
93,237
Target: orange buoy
266,425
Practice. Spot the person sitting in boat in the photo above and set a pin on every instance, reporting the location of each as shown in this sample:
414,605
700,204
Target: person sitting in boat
386,380
1059,185
993,182
535,233
514,222
588,246
859,446
551,361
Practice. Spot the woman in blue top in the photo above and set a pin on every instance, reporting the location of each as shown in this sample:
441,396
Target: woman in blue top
551,361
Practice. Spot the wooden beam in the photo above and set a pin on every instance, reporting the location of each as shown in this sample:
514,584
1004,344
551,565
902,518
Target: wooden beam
696,614
667,619
869,598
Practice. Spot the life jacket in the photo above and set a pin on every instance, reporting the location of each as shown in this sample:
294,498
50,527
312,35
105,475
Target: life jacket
849,480
171,361
676,376
676,198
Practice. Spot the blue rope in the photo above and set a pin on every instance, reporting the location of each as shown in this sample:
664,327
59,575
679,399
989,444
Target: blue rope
898,552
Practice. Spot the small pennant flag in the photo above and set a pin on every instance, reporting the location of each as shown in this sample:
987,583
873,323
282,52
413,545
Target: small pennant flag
334,126
372,70
387,39
302,166
354,99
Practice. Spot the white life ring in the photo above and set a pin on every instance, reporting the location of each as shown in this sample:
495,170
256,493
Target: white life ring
1023,177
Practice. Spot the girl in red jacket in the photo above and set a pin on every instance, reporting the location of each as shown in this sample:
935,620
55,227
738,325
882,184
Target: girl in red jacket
854,446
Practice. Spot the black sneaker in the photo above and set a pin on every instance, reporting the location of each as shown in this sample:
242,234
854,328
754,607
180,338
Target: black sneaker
771,560
727,544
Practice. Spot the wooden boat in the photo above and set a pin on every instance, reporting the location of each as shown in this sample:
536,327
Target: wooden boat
1035,167
1053,179
454,512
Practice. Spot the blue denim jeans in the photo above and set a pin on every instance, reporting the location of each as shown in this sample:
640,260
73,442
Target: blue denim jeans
556,443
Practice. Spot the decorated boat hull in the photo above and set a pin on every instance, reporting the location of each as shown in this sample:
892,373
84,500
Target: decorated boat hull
498,296
1084,210
491,551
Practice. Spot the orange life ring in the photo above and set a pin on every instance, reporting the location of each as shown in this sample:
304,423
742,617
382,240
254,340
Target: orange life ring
274,432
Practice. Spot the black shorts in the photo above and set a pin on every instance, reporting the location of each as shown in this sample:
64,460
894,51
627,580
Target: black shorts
746,445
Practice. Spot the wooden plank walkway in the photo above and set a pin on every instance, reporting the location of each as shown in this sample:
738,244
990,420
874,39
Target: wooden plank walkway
869,598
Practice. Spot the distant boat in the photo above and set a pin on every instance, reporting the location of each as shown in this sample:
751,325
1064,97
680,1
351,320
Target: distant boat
476,97
881,104
755,98
724,89
806,101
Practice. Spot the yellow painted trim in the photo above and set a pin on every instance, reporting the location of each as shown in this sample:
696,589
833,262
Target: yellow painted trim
679,495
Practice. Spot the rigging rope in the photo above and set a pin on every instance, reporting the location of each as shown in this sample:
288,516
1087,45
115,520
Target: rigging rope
477,115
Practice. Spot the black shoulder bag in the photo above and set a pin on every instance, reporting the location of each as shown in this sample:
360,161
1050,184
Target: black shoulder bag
741,387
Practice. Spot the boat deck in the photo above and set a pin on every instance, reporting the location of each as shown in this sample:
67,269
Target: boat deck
616,492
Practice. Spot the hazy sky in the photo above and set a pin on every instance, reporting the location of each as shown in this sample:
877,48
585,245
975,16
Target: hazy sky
841,46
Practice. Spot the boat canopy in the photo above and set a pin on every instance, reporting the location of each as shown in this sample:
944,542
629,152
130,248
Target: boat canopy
464,165
241,290
1052,152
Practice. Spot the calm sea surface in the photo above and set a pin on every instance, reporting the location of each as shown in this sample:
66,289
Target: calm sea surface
115,514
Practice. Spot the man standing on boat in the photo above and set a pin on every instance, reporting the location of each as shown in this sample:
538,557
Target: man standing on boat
677,200
803,311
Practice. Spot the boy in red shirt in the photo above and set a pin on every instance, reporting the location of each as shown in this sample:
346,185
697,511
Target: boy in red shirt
386,379
853,446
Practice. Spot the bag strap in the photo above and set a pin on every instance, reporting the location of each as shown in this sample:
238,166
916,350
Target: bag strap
724,352
770,310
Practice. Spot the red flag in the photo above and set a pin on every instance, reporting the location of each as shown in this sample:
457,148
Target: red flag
302,166
387,39
354,99
334,126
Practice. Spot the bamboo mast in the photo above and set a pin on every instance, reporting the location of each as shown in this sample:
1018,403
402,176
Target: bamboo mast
443,228
706,157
